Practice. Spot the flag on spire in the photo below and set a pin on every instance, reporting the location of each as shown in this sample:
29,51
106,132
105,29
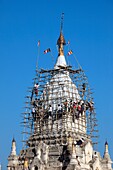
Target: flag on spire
46,51
70,52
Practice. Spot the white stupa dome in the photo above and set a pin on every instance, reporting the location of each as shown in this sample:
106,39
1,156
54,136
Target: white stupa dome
60,87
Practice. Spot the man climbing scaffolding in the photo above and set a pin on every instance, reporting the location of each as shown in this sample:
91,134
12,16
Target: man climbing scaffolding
35,90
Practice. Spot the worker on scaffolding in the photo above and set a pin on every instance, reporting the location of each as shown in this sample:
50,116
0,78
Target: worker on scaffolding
79,107
34,113
76,109
26,167
65,105
35,90
47,114
50,111
70,106
82,107
74,106
60,110
91,107
83,89
35,102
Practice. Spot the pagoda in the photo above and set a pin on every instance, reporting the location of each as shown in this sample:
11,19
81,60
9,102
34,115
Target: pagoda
60,125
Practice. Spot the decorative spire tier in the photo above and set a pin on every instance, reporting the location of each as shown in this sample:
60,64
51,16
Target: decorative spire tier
61,42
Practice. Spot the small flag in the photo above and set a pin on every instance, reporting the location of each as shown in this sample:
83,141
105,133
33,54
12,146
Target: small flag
46,51
38,43
70,52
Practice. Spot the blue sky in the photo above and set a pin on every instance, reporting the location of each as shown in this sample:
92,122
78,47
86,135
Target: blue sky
89,27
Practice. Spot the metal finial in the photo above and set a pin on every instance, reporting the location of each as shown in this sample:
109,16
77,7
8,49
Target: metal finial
62,19
61,41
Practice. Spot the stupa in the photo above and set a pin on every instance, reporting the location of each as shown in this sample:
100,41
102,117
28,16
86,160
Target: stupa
60,126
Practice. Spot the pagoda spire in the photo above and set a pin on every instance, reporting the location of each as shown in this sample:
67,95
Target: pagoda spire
106,152
13,148
107,162
106,147
13,158
61,41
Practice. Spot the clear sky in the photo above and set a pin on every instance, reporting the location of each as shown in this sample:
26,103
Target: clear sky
88,24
